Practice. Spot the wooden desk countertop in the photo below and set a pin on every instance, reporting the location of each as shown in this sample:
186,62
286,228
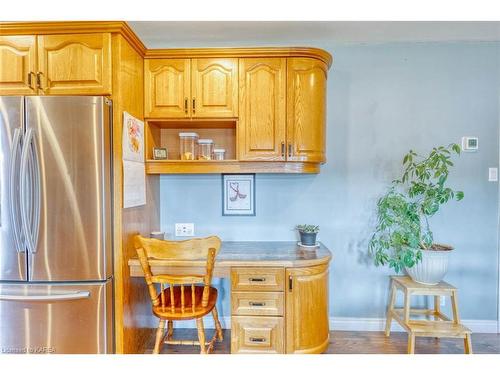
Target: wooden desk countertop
243,254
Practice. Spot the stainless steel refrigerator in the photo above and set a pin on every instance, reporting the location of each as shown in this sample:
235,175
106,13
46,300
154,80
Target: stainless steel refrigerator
55,225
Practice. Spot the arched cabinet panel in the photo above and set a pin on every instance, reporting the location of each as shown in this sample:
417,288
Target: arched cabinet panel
214,87
262,122
167,88
17,65
74,64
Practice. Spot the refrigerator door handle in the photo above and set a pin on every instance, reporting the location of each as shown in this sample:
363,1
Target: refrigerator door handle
37,192
45,297
26,191
13,188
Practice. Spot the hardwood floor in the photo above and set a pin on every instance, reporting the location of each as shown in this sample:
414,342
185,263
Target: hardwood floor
349,342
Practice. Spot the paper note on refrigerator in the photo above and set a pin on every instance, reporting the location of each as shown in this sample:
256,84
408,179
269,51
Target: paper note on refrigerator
134,176
134,184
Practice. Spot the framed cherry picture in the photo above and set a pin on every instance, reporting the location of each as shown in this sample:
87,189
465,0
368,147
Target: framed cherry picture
238,195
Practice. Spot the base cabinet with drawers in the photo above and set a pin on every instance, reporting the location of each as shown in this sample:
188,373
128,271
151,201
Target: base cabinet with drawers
279,310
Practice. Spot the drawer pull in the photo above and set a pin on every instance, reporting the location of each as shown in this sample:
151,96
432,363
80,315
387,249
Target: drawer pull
257,279
257,339
257,304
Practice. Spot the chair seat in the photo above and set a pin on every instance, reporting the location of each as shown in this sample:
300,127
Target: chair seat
176,312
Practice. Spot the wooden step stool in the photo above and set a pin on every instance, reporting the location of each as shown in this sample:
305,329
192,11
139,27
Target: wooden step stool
441,326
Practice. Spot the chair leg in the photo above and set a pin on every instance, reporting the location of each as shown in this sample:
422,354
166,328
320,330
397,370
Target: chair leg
170,329
467,344
411,343
218,327
159,335
201,335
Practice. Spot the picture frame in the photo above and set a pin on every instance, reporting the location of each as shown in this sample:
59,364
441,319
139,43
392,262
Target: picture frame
238,194
160,153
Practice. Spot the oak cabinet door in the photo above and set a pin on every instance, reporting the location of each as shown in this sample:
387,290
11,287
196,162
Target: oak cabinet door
307,328
167,88
262,119
75,64
214,87
17,65
306,113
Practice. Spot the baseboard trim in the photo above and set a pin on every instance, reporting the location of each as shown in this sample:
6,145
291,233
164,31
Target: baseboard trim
355,324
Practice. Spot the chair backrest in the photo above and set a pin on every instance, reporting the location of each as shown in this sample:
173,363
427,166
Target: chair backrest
194,249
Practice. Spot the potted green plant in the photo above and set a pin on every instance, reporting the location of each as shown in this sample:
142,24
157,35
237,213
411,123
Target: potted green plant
308,234
403,238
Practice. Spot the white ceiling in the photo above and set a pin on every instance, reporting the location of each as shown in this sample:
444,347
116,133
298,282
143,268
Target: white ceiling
181,34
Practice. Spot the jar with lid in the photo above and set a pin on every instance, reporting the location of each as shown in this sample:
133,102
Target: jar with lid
188,145
219,153
205,149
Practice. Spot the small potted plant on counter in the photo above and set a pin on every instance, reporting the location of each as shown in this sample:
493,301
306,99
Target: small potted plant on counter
308,234
403,238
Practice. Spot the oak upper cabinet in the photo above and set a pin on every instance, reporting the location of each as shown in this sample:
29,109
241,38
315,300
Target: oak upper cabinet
167,88
17,65
262,111
306,110
74,64
307,328
214,84
191,88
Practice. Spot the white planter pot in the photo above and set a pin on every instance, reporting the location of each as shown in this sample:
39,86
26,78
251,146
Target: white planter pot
432,268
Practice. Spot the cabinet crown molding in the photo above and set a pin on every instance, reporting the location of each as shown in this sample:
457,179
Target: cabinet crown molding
121,27
180,53
74,27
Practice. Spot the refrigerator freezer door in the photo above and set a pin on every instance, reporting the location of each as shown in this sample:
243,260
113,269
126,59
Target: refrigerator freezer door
12,248
67,204
56,318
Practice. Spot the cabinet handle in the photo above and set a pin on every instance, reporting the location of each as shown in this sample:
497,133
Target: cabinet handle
257,304
30,80
39,80
186,105
283,150
257,339
257,279
290,283
194,106
290,150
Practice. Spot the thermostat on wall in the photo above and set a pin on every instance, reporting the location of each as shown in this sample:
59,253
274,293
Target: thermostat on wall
470,144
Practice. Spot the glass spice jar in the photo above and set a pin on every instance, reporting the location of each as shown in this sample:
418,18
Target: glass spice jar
188,143
205,149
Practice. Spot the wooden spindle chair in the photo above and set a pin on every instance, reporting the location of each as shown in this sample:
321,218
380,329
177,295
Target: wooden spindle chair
181,297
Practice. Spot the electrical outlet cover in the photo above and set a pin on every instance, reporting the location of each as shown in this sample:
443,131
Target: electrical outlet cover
184,229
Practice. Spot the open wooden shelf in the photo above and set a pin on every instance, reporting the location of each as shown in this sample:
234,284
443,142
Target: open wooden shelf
227,166
165,133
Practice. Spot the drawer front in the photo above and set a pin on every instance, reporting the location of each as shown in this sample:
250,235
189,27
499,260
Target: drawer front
257,279
257,303
257,334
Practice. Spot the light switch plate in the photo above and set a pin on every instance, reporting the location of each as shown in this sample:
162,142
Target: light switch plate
184,229
493,174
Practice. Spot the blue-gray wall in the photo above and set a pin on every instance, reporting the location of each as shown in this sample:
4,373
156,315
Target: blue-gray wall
382,100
